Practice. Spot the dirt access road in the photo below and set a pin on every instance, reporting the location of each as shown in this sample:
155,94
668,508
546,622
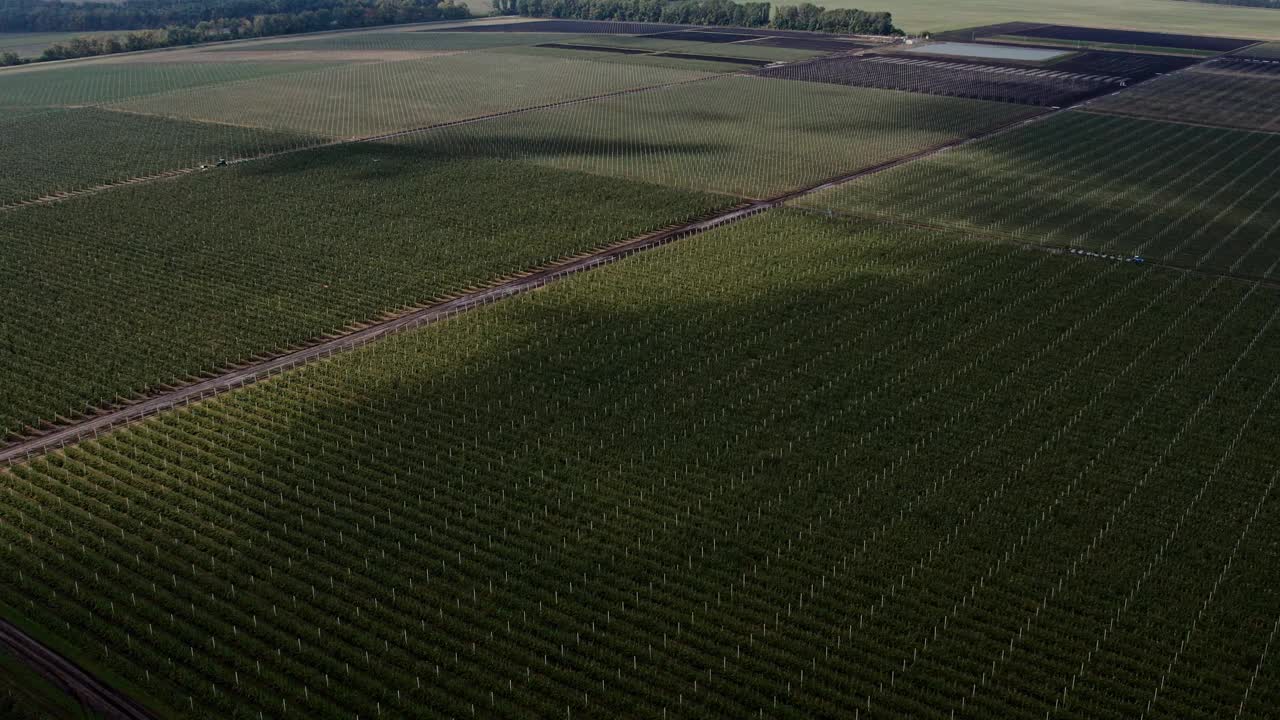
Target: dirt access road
87,689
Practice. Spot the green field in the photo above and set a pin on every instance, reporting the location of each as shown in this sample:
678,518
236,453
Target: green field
985,430
1189,196
1172,16
103,82
119,292
61,150
1214,97
791,465
742,135
369,99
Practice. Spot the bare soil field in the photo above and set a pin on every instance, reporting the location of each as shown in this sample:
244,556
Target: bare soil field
934,77
1130,37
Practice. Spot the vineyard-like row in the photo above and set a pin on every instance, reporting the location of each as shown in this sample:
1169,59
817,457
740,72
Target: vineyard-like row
742,135
799,467
362,100
155,282
1032,86
59,150
114,294
1220,94
1186,195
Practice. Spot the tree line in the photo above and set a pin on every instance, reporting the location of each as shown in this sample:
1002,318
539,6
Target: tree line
805,16
183,23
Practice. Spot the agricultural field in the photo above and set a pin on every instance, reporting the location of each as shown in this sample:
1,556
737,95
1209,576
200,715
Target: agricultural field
746,136
1029,499
1237,94
1029,86
364,100
1184,195
1268,51
886,385
118,293
61,150
42,86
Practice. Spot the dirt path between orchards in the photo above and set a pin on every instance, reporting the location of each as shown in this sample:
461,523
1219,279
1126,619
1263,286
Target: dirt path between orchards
84,687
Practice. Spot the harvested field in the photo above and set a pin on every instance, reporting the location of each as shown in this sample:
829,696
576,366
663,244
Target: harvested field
960,447
366,100
1040,87
1129,37
583,27
1200,198
760,49
1228,99
700,36
747,136
61,150
115,293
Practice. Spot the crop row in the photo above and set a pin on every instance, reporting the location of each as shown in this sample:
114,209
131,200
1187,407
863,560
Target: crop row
138,287
1191,196
796,467
366,99
1219,94
118,293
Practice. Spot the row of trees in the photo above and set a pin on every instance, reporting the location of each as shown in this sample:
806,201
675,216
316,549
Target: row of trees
683,12
63,16
323,15
805,16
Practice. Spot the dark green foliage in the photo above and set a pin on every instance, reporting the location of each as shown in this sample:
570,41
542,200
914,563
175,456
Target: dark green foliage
684,12
119,292
814,18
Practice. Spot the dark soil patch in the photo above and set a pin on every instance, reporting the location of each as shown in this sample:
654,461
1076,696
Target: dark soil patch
930,77
821,44
596,48
716,58
1131,37
701,36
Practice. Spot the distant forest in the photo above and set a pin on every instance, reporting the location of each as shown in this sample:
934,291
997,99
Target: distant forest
805,16
1274,4
169,23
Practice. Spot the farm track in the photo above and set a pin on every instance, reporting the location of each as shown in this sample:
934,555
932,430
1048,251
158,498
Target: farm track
81,685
